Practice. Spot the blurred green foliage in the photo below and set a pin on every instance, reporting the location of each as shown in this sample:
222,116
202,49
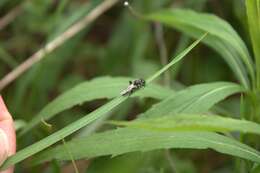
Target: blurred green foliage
120,44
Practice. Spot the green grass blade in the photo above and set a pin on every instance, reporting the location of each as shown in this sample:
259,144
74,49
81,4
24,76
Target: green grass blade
193,122
125,140
195,99
59,135
222,37
253,15
177,59
102,87
73,127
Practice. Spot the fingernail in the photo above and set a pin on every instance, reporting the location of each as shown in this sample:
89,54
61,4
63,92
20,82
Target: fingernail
4,147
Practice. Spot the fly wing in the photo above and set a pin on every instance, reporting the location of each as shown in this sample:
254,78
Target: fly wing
127,90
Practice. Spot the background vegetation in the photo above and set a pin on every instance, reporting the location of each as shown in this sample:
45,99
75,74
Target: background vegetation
198,114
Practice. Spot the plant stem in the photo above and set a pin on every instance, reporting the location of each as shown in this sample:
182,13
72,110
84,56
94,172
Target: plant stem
162,50
71,157
177,59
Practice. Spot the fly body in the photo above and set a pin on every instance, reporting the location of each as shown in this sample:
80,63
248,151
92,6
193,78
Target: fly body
133,86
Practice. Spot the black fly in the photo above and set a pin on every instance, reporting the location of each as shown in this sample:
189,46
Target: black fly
133,86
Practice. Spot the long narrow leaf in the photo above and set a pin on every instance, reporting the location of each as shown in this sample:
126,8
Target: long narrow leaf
59,135
253,14
125,140
103,87
177,59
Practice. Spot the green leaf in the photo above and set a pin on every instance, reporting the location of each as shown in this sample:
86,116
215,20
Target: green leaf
73,127
195,99
120,141
193,122
221,38
102,87
253,14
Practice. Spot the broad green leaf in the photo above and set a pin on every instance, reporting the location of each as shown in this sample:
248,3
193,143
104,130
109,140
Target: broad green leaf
222,37
253,14
102,87
193,122
195,99
125,140
73,127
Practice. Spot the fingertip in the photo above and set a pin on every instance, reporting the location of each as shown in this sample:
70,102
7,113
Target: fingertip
7,135
7,126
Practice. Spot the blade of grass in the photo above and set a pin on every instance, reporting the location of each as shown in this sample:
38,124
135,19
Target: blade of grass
177,59
98,88
73,127
59,135
253,15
